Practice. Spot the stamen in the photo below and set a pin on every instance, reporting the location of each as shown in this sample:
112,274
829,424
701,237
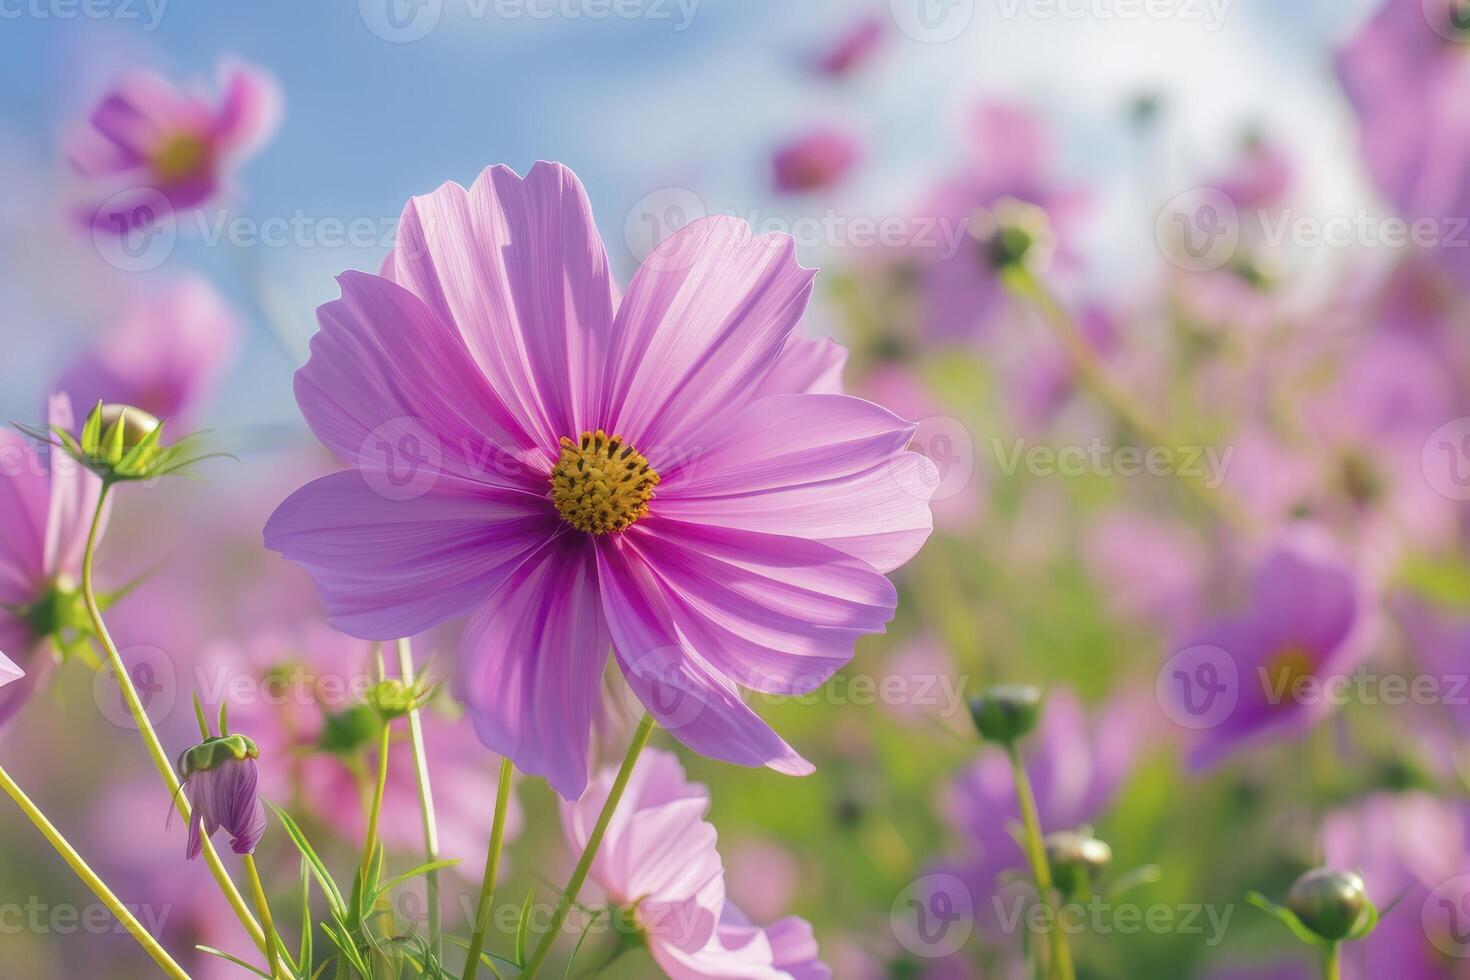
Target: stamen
601,484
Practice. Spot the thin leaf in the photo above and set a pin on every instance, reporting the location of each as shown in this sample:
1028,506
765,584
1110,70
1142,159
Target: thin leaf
1287,917
580,940
524,927
422,869
305,956
318,869
233,959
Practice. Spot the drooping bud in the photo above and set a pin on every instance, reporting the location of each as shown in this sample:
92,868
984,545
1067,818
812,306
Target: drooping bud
1006,713
1014,233
221,784
1077,860
1329,903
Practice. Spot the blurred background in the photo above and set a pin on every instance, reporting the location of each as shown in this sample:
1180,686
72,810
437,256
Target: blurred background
1222,453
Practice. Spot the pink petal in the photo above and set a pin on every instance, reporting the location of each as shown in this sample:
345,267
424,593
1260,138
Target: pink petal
774,614
250,109
531,664
395,567
24,497
518,267
806,366
826,467
683,691
74,493
703,321
388,378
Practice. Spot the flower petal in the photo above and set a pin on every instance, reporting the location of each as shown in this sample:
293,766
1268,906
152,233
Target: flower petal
74,493
532,662
806,366
702,323
388,567
684,692
250,108
389,378
519,268
825,467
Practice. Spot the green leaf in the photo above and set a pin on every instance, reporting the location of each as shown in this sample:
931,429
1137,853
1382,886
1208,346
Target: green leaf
580,940
92,432
305,955
524,927
318,869
1287,917
397,880
233,959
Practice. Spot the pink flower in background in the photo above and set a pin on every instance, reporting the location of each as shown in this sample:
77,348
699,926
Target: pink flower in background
1412,851
815,160
1406,73
587,473
1010,157
149,143
854,47
659,859
1260,178
46,507
1151,569
164,354
1307,618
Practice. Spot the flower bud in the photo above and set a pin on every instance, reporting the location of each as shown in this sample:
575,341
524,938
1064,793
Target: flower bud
344,732
120,442
1077,860
1014,233
221,783
1328,902
1006,713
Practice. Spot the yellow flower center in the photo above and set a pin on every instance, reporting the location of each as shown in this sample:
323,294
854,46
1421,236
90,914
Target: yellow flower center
601,484
1286,669
180,157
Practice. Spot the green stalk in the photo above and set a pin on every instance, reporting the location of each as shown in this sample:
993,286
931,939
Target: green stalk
492,871
90,879
426,796
1332,962
589,853
370,846
150,737
272,939
1061,952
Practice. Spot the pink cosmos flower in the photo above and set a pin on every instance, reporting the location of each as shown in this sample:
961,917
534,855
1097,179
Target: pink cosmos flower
815,160
164,354
1406,72
659,859
574,471
148,143
853,47
46,507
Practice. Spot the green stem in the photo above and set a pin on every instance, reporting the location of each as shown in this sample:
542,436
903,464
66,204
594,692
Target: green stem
89,877
1332,962
272,939
1084,359
150,737
589,853
1061,952
426,795
370,845
492,871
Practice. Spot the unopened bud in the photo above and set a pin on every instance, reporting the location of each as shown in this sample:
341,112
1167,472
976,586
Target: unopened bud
1330,903
1006,713
1077,860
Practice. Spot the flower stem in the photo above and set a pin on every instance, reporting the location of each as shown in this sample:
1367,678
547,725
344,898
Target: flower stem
1061,952
589,853
370,845
1332,962
272,939
426,795
1024,284
150,737
89,877
492,871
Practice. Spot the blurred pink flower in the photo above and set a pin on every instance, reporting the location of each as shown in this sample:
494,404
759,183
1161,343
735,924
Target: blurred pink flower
1010,157
148,143
164,353
759,562
46,508
659,859
762,878
1406,847
1406,72
1151,569
854,47
1046,378
814,160
1259,178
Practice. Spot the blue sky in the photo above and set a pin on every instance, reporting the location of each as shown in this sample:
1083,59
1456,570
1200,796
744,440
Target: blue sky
634,104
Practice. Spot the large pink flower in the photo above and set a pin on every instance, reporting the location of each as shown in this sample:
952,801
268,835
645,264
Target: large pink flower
46,507
659,859
577,473
151,146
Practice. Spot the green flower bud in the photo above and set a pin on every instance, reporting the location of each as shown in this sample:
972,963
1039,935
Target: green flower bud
344,732
119,442
1006,713
1077,860
392,698
1014,233
214,752
1330,903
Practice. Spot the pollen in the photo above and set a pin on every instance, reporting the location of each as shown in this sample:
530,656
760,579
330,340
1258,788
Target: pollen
180,157
601,484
